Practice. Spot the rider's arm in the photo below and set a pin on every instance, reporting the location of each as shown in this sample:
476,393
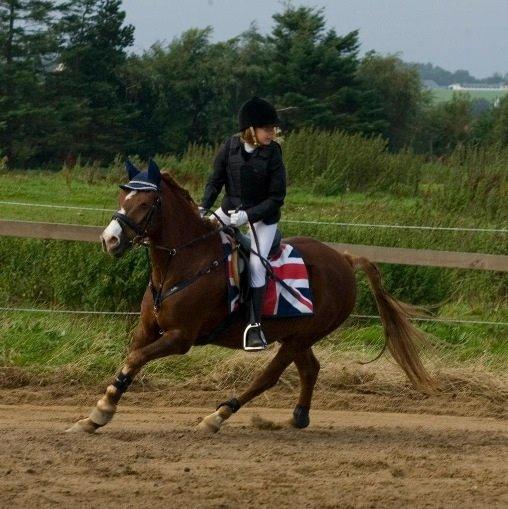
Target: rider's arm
276,190
216,180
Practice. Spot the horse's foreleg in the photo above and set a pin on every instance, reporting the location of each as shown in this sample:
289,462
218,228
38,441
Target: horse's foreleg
308,369
168,344
264,381
105,408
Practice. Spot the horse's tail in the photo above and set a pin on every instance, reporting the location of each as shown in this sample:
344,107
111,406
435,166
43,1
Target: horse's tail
402,338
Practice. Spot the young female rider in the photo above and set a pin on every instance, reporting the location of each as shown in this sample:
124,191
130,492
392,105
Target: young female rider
250,167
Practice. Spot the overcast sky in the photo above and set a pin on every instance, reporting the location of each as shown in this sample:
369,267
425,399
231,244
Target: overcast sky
454,34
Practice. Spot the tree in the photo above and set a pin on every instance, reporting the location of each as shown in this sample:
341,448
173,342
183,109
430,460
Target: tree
191,89
27,50
500,125
399,93
92,92
171,86
442,76
313,71
446,125
60,79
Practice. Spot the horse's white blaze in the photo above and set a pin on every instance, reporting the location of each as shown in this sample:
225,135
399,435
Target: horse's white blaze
112,233
113,230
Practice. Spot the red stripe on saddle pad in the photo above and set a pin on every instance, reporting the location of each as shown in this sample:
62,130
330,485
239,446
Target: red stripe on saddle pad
291,271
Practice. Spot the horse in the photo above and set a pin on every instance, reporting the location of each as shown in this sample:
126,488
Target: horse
186,254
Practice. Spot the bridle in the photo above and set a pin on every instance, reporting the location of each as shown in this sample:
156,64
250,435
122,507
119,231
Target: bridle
141,229
141,239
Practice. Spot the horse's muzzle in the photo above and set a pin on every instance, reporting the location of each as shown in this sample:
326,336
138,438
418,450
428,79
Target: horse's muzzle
113,239
114,245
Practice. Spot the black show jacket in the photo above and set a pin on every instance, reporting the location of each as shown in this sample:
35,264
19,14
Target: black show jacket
256,185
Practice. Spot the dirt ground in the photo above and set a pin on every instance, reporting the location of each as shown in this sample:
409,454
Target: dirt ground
151,455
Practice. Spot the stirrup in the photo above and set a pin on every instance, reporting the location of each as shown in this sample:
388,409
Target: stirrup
261,336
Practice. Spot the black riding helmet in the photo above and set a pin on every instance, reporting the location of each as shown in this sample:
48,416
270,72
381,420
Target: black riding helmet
257,112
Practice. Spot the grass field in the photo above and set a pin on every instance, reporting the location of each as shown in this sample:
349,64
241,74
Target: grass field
445,94
44,188
90,348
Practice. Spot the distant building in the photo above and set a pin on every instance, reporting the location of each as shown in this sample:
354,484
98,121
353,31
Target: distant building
495,87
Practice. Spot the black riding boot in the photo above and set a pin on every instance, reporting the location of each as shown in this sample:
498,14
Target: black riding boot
253,337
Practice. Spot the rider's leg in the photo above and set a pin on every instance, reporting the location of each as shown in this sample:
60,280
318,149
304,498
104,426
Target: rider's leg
253,336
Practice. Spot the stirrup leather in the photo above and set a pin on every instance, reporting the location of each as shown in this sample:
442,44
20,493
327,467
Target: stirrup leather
248,348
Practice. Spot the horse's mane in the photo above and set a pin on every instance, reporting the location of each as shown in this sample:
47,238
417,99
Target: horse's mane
170,181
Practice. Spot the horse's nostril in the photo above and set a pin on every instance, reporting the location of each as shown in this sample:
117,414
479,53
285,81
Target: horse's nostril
110,242
113,241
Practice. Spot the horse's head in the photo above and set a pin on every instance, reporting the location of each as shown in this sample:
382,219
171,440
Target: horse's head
137,218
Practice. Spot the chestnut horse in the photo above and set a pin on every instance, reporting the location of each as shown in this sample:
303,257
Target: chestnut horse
186,248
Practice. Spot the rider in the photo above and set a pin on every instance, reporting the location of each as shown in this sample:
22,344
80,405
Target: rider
250,166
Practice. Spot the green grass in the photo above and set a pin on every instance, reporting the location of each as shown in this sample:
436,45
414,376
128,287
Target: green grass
370,208
91,349
444,94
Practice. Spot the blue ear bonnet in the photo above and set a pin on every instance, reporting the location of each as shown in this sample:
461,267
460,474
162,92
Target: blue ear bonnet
142,181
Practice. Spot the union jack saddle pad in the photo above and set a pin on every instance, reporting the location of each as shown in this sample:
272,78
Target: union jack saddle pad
288,265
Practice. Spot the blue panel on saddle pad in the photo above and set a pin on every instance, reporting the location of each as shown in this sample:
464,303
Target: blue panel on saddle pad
286,309
306,293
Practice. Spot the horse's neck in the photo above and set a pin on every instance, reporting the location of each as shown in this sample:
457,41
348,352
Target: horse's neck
180,224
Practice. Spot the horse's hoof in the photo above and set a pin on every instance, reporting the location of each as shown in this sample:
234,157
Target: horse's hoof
210,424
82,426
206,427
300,418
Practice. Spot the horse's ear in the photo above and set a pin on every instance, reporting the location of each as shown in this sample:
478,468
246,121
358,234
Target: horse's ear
154,174
131,170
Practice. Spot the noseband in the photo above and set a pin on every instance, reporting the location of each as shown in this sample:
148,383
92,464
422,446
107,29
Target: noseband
141,230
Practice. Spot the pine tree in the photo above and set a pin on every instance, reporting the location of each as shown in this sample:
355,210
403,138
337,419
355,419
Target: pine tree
28,46
94,40
312,70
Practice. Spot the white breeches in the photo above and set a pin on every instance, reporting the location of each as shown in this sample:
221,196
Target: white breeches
265,234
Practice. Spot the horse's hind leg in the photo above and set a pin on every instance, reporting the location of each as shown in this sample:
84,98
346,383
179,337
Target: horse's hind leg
308,369
264,381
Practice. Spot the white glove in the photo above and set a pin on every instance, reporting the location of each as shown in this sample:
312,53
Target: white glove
239,218
202,211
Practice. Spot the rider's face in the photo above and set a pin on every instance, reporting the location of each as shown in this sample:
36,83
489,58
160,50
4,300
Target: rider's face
265,134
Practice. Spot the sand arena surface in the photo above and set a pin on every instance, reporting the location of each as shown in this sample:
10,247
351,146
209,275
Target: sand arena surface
151,456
